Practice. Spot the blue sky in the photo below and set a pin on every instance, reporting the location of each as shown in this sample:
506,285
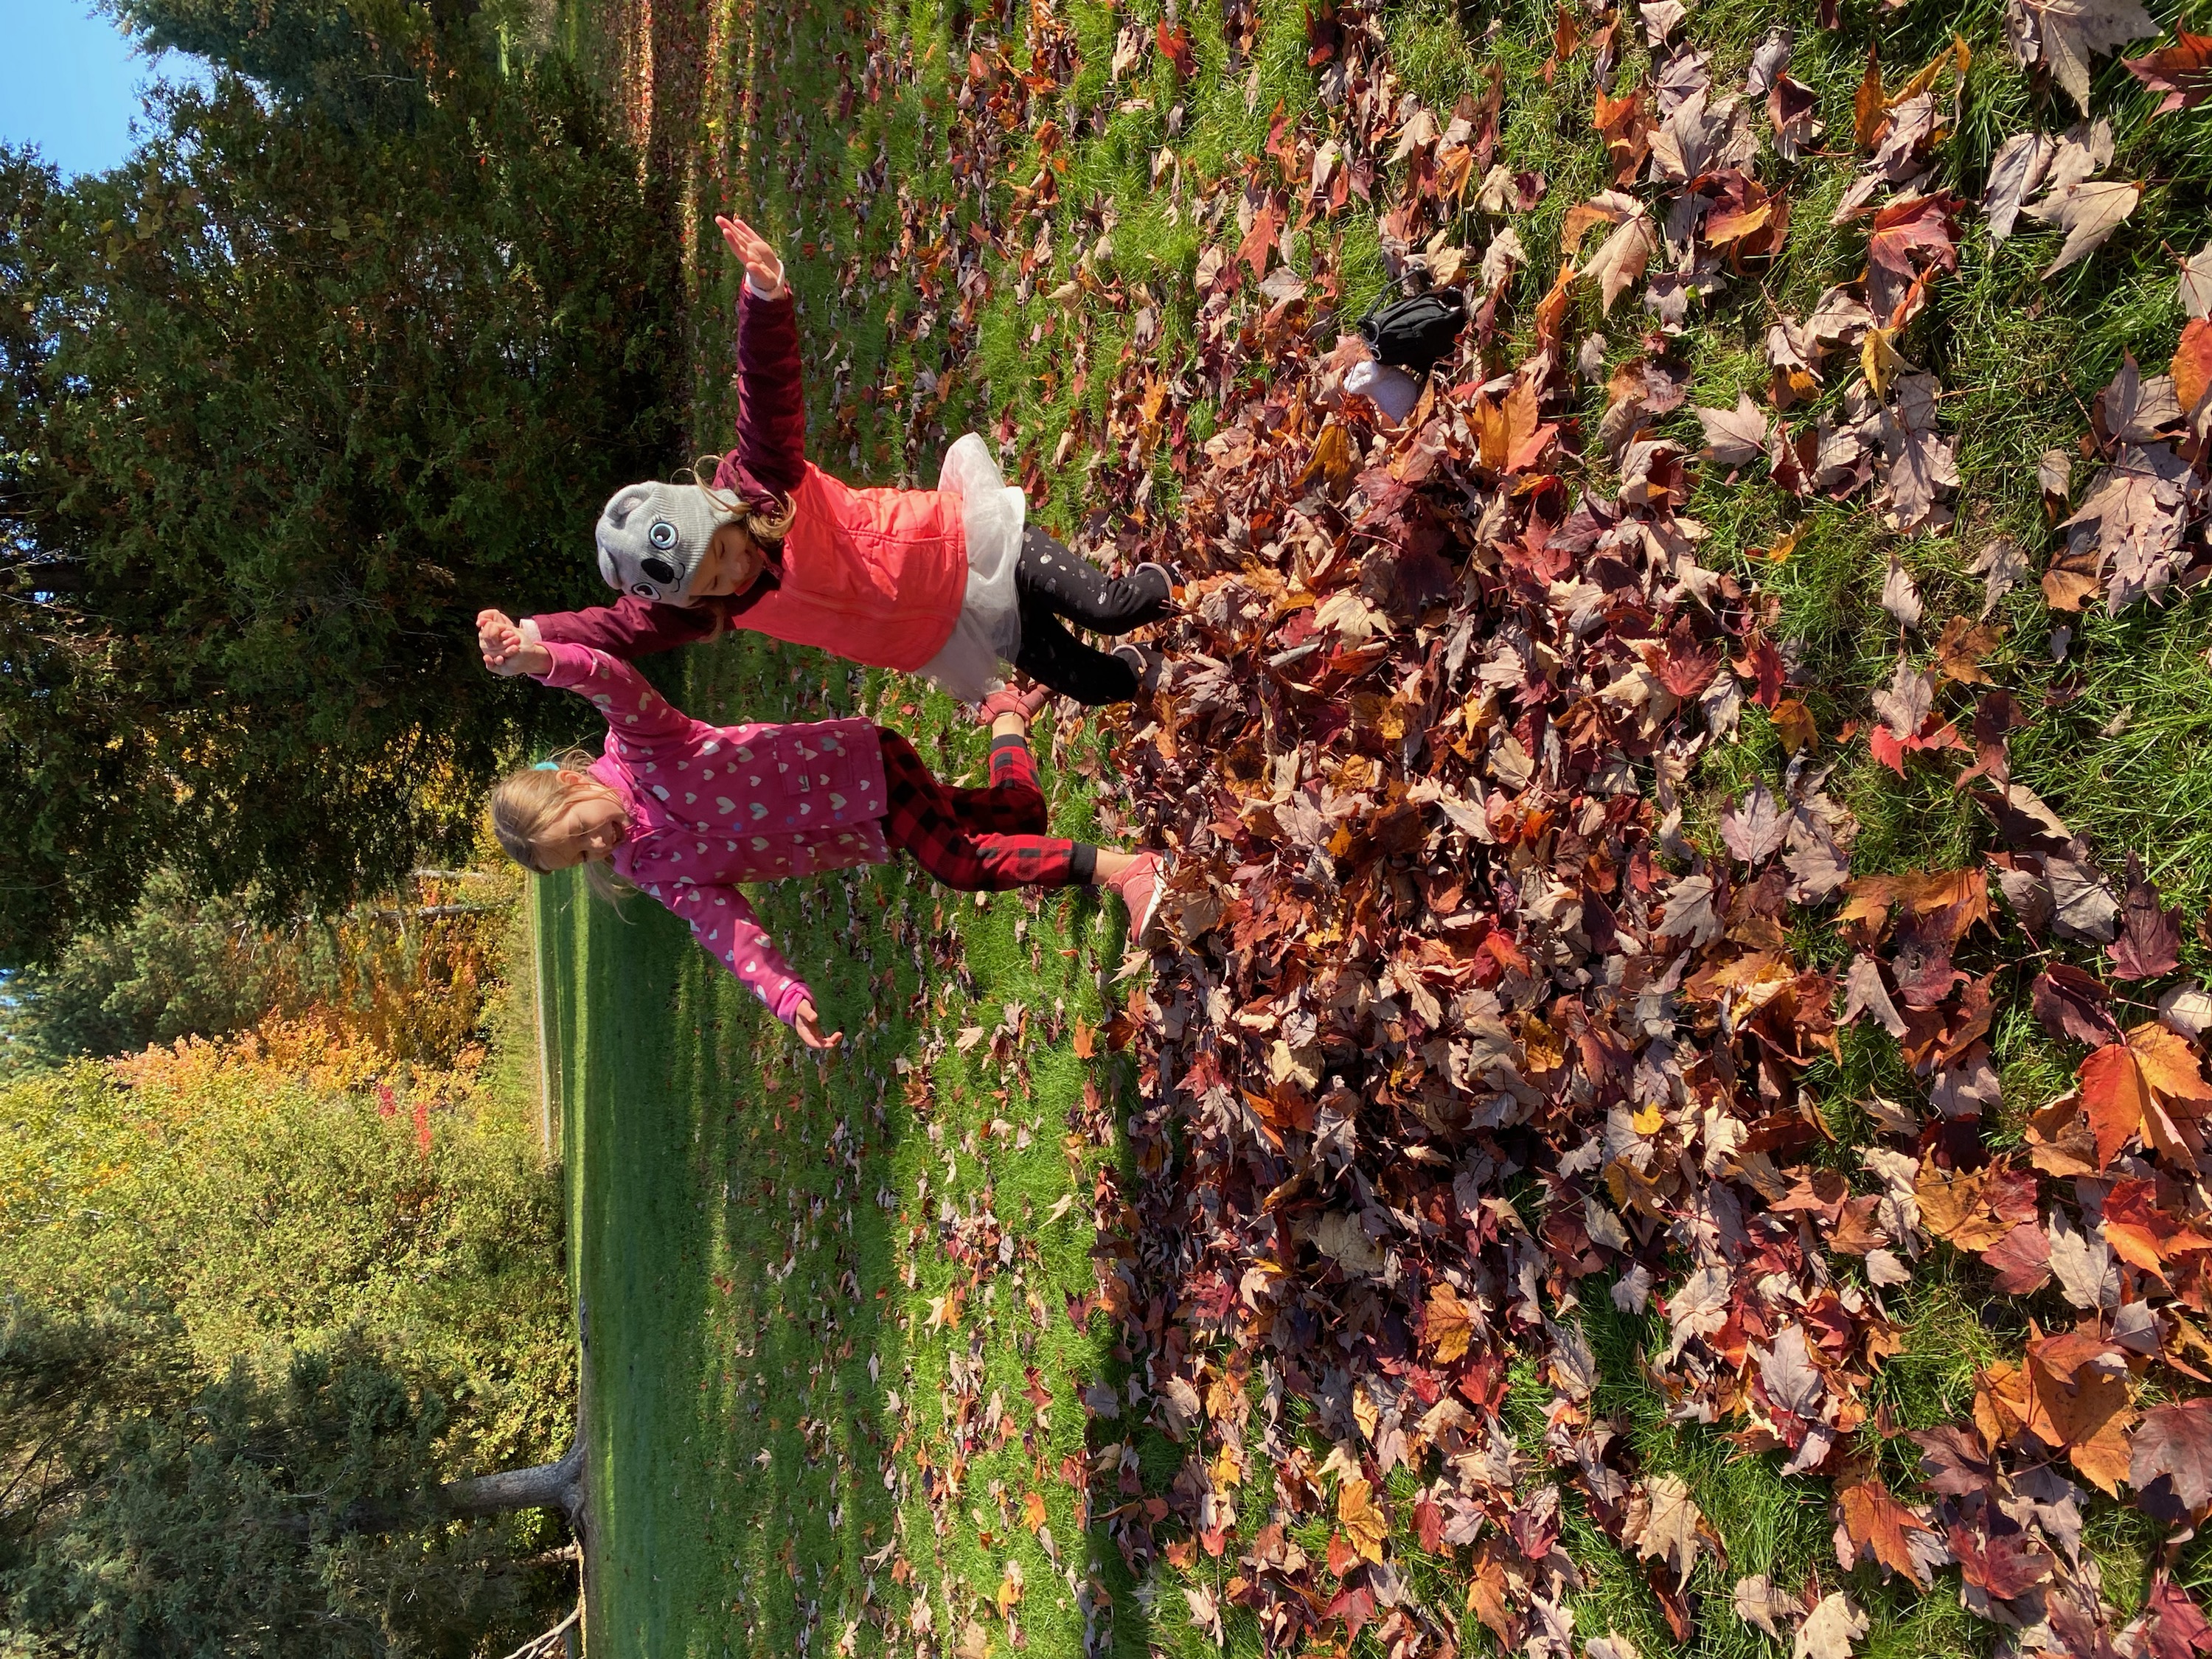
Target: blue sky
69,83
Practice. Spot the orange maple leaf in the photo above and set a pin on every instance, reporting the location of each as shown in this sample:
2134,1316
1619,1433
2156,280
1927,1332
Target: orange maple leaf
1879,1524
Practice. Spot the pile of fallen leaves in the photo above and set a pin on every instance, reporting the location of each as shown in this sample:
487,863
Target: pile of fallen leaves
1454,1023
1456,1026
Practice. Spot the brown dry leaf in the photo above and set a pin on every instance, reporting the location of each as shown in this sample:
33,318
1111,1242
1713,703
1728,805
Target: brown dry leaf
2066,33
2197,283
1919,466
1830,1630
2016,173
1954,1208
1620,258
1870,108
2000,564
2078,1398
1449,1327
1735,436
1332,459
2088,213
1961,648
1794,723
1665,1524
1757,1602
1363,1523
1878,1525
2174,1443
2069,590
1128,46
1900,597
1626,123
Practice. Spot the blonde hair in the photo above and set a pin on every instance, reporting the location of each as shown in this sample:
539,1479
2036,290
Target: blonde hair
526,802
766,530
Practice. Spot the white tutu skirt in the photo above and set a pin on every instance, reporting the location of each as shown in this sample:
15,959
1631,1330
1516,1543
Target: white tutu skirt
990,631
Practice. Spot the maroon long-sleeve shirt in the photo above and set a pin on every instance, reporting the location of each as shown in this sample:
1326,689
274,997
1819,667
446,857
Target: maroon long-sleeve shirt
764,468
876,576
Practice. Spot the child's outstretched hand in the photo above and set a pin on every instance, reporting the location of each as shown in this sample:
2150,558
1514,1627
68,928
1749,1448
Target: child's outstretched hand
808,1025
761,262
508,649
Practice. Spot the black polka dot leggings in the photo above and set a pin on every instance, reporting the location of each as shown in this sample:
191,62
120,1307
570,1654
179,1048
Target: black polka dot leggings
1053,583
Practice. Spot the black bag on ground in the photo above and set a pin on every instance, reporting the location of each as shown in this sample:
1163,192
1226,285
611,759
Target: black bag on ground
1412,334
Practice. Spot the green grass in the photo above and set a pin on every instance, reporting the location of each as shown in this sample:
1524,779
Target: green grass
700,1143
759,1243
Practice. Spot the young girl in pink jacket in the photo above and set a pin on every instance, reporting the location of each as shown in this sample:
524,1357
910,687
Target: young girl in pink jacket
686,810
947,582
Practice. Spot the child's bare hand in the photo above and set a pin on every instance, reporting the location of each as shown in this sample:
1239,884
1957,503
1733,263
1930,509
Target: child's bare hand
761,261
808,1025
509,649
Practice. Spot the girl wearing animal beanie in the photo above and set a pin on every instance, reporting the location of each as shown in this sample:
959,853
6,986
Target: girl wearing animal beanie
686,810
948,583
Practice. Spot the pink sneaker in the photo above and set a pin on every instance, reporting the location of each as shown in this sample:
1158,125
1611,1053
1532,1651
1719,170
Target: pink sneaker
1139,889
1007,701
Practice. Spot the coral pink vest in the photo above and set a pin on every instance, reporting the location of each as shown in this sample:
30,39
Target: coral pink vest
873,576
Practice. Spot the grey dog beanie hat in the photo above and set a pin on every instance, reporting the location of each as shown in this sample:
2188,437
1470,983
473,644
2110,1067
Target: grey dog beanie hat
653,538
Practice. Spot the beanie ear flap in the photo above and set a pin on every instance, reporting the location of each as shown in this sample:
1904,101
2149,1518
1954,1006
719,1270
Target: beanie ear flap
624,502
617,534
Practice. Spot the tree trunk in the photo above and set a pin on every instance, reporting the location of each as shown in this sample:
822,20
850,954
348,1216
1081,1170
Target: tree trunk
549,1487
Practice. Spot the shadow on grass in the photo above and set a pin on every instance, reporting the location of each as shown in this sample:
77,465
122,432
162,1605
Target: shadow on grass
759,1234
697,1225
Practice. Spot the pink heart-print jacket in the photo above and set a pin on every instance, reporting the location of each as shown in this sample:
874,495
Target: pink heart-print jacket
714,805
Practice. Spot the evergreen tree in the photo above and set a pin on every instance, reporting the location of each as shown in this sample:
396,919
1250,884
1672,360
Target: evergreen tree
180,966
293,1521
288,401
413,977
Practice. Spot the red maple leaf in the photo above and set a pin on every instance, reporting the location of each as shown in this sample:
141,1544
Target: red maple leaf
2005,1564
2174,1443
2149,943
2114,1094
1891,750
1260,241
2182,71
1919,233
2174,1628
1762,664
1175,46
1685,667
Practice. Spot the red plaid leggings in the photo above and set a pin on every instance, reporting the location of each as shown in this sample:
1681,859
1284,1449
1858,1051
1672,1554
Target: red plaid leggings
992,837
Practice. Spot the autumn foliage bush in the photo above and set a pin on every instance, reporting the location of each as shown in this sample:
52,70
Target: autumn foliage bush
270,1248
410,975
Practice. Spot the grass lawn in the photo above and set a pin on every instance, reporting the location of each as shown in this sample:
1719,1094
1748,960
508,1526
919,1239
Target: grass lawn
828,1303
834,1367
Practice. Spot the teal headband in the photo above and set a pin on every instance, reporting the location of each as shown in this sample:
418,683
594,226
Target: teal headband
547,766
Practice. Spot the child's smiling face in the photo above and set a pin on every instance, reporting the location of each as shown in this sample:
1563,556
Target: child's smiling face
733,564
588,829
